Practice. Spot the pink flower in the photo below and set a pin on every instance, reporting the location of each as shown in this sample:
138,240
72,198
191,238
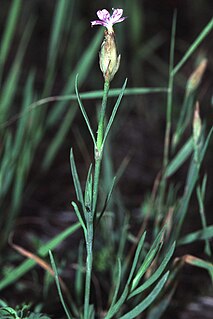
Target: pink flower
108,20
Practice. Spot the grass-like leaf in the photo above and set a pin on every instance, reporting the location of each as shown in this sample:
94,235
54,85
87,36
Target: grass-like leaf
157,311
148,259
84,112
194,46
59,138
56,32
136,257
76,181
84,96
58,286
8,92
79,217
192,178
200,197
107,199
43,251
116,307
156,274
88,190
147,301
117,104
8,34
79,276
180,158
118,282
202,234
197,262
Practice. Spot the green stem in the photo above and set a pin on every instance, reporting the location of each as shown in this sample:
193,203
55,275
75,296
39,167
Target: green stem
92,214
163,183
89,246
102,116
98,150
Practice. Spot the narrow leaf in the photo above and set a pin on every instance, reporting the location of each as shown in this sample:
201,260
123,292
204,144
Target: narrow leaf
202,234
107,200
83,111
156,274
88,190
137,255
118,282
149,258
58,286
76,181
19,271
147,301
194,46
114,112
79,217
180,158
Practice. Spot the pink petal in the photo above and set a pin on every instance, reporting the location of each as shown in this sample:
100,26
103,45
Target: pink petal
98,22
103,15
119,20
117,13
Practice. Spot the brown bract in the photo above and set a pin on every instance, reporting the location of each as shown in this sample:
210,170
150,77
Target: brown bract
108,56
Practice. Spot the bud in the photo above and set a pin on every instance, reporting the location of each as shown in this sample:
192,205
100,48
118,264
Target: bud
108,57
196,77
197,125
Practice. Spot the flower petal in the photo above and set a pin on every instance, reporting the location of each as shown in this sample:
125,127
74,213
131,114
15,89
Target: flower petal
98,22
117,13
119,20
103,15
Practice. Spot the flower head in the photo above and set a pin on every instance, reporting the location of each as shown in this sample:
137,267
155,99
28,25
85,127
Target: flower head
107,20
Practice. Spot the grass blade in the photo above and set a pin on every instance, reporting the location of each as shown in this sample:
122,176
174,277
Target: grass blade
202,234
117,104
8,92
88,190
56,32
9,31
107,199
19,271
84,95
180,158
194,46
58,286
80,218
148,300
200,197
118,282
76,181
136,257
84,112
149,258
156,274
58,139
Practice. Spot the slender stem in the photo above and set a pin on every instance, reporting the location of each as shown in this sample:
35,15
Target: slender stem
89,247
170,95
163,183
98,151
102,116
92,214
